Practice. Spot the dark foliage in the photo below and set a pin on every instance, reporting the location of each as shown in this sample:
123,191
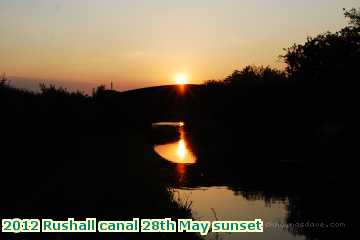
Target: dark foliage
65,154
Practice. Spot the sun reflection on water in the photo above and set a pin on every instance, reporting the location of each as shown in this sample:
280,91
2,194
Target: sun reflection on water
179,151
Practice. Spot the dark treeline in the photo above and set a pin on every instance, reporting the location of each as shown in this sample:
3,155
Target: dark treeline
296,114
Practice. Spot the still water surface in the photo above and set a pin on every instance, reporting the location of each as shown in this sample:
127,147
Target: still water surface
176,152
220,202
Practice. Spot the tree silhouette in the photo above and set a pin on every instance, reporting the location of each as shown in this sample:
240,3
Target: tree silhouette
329,58
354,16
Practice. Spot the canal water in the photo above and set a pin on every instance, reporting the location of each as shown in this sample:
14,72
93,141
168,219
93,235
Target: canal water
217,201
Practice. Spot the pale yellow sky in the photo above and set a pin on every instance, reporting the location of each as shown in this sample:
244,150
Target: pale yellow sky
138,43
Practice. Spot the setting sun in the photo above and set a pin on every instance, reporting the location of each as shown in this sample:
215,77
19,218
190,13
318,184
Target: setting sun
181,78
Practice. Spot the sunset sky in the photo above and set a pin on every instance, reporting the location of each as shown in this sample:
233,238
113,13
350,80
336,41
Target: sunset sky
139,43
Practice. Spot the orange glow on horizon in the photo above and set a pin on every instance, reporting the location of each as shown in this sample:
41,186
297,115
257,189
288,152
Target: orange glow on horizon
181,79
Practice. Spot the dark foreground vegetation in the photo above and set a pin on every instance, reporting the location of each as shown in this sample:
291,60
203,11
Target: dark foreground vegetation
70,155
